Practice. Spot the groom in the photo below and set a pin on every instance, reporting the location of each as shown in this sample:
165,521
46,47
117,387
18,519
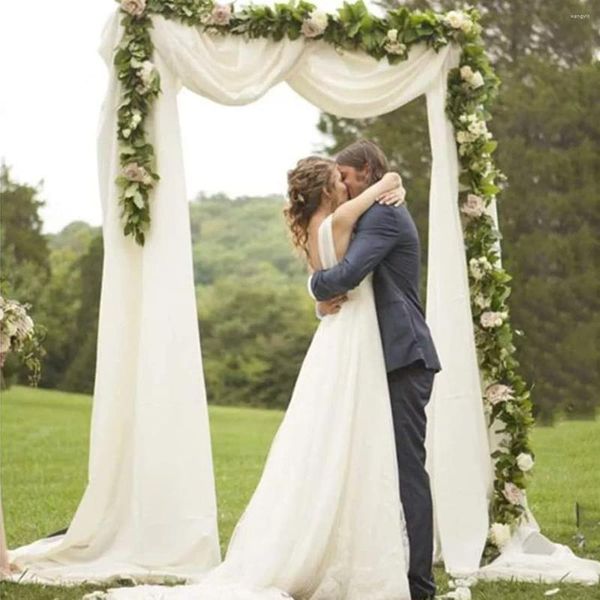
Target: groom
386,243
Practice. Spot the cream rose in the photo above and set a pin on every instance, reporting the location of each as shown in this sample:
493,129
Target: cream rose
395,48
500,534
481,301
525,462
466,72
135,8
315,24
392,35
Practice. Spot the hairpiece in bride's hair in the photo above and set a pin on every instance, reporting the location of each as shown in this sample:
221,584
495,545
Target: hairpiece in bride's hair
300,198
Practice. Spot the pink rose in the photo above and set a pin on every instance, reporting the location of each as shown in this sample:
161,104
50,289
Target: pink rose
513,493
135,8
474,207
135,172
498,392
221,15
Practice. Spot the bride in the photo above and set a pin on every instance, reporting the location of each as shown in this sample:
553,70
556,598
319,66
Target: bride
325,522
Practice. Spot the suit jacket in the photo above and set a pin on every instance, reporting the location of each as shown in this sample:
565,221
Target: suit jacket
386,242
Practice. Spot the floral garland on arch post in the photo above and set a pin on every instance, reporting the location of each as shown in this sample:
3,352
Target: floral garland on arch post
471,89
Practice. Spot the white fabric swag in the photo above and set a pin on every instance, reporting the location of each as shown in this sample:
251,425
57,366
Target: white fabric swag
149,506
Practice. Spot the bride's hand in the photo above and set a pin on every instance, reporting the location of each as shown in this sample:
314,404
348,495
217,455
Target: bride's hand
395,197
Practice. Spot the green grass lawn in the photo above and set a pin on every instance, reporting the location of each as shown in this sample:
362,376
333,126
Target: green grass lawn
44,441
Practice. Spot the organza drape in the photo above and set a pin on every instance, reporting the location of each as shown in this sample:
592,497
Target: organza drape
150,506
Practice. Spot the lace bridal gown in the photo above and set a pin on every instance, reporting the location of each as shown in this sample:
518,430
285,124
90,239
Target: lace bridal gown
325,522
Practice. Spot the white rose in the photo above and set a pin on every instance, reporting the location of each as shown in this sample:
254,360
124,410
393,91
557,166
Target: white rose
147,73
455,18
525,462
467,25
464,137
478,128
476,80
134,7
500,534
395,48
466,72
136,119
1,314
315,24
392,35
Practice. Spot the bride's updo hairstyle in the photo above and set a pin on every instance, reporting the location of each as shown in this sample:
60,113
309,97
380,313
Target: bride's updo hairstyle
306,184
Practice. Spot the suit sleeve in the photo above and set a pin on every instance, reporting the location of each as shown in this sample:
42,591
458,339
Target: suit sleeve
377,233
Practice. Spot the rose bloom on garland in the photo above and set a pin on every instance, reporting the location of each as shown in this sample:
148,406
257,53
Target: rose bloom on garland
499,392
473,78
315,24
135,8
500,534
220,15
474,206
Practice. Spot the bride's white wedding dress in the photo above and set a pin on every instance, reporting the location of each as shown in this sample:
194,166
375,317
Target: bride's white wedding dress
325,522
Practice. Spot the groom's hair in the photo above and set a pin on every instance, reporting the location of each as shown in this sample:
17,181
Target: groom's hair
362,153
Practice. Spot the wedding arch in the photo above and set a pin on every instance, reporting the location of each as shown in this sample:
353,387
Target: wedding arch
150,466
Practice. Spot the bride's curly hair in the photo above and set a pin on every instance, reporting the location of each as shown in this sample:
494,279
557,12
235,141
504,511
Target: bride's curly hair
306,183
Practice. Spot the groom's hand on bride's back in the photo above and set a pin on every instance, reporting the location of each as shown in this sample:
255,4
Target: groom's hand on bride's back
331,307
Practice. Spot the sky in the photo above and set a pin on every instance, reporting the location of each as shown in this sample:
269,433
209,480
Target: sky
52,86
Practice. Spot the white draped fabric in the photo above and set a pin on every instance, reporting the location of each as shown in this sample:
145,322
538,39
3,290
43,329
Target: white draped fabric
149,508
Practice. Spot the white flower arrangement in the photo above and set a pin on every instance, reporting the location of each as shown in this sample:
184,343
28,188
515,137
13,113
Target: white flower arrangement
18,334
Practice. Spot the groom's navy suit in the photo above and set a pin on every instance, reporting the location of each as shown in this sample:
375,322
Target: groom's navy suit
386,243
